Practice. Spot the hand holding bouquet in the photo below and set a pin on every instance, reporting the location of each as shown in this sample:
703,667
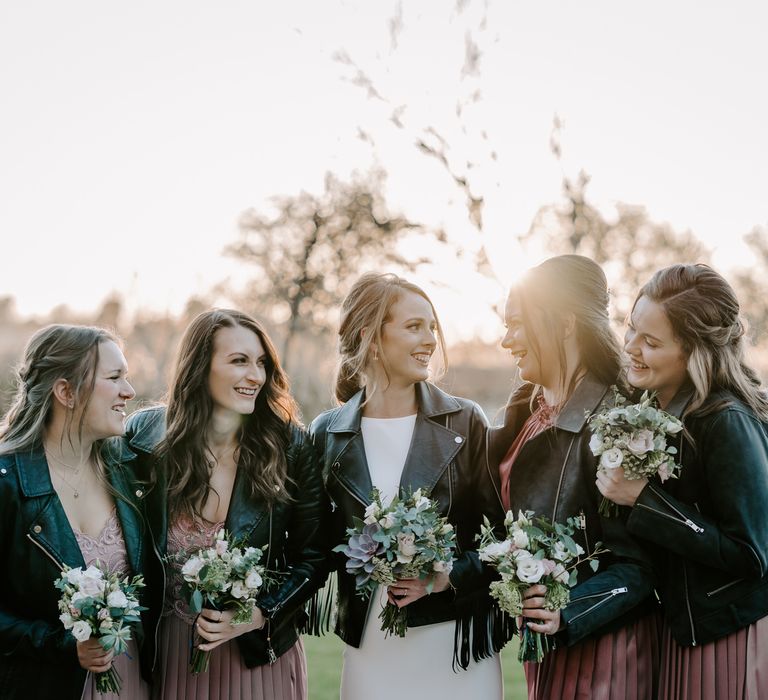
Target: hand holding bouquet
634,437
534,551
225,576
102,605
406,539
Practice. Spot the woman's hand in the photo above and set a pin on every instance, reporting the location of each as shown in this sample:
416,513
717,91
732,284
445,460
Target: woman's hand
93,657
614,485
537,617
406,590
215,626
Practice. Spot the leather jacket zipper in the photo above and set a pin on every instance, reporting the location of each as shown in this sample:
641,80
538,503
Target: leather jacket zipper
60,565
606,596
562,476
488,468
722,588
681,520
688,604
583,528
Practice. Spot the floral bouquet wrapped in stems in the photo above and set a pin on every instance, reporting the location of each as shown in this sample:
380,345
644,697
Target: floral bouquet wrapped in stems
101,604
225,576
533,551
634,437
408,538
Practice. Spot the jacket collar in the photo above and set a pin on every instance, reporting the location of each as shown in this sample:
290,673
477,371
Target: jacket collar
431,401
34,477
586,398
681,399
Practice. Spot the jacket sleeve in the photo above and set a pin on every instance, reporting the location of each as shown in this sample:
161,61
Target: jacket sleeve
305,548
469,573
732,456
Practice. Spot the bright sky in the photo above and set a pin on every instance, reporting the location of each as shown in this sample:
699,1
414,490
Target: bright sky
132,135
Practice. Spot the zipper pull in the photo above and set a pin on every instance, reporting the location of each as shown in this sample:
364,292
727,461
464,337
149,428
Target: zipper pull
582,520
616,591
693,525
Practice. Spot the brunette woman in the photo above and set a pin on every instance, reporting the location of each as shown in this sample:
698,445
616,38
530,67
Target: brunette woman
65,501
396,431
685,341
228,452
568,358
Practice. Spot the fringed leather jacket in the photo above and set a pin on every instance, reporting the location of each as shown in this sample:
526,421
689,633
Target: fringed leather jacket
711,524
446,461
292,533
38,658
554,476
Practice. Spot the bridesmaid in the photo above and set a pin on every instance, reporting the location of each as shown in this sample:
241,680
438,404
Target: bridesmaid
65,500
558,331
395,430
685,341
228,452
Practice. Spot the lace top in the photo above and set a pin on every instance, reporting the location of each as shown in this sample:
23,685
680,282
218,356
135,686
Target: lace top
186,534
107,549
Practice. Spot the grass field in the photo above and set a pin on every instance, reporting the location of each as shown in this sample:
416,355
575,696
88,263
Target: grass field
324,667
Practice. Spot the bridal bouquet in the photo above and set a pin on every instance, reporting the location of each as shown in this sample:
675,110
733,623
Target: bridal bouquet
406,539
95,603
634,437
225,575
534,550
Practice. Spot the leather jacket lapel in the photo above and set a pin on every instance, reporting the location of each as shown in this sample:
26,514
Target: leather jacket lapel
128,514
433,447
244,514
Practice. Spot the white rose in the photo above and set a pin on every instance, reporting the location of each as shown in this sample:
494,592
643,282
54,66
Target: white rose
612,458
92,582
73,576
192,567
495,550
520,554
596,444
221,546
66,620
239,590
81,631
530,570
520,539
640,442
117,599
78,596
253,579
406,547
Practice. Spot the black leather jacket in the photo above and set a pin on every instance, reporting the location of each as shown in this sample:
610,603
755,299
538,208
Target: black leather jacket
38,659
446,461
554,476
291,531
711,524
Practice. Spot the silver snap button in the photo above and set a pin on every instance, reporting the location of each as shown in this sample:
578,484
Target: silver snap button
37,529
139,493
3,471
458,440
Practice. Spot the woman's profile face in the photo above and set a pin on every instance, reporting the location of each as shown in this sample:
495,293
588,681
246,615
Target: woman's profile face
538,363
238,369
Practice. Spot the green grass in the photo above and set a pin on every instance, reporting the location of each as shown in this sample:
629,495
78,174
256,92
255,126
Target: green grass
324,668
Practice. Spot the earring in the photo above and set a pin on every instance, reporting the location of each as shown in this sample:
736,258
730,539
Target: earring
375,355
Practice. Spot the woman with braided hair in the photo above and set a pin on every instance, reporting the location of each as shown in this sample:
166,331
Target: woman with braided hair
685,341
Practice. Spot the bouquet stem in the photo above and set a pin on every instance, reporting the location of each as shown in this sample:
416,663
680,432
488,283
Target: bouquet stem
533,646
607,508
108,682
394,620
200,661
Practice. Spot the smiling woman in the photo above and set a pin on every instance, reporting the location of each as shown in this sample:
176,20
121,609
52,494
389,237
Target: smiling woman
233,457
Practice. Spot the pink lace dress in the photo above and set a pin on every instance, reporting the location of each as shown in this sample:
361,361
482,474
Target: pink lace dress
108,549
228,678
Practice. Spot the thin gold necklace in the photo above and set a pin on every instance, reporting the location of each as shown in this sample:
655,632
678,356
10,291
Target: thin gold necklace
78,471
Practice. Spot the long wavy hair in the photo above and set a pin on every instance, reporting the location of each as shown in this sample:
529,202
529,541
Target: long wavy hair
705,316
55,352
263,436
563,285
364,312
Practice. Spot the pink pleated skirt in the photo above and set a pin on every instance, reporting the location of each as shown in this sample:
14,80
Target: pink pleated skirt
621,665
732,668
228,678
132,686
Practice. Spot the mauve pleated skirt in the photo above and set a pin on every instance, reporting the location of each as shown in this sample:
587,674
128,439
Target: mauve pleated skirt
621,665
227,678
732,668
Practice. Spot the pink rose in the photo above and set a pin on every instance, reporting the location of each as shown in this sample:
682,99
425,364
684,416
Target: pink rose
640,442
